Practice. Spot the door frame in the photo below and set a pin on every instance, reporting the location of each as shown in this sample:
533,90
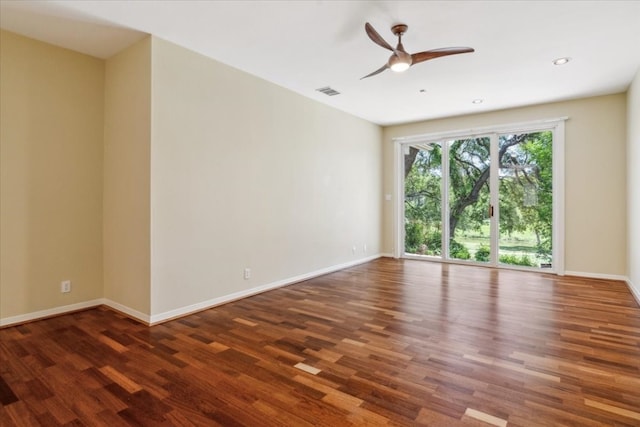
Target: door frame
555,125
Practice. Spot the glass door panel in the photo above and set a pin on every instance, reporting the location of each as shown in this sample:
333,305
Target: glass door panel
469,199
525,199
423,199
481,199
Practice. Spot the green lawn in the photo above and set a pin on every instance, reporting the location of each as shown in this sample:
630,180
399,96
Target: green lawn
513,248
518,244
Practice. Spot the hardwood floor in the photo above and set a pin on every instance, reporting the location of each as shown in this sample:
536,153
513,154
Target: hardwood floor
390,342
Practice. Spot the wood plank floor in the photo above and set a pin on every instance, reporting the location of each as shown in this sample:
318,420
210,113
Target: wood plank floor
391,342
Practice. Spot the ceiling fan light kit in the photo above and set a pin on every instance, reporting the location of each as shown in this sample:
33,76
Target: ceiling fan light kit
398,64
400,60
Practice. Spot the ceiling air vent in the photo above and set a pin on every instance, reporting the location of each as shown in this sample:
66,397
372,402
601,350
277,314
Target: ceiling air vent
328,91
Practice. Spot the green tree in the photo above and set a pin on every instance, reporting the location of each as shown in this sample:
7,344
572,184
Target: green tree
422,199
469,165
525,187
539,216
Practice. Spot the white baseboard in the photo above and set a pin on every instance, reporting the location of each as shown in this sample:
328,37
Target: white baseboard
138,315
184,311
595,275
179,312
635,291
56,311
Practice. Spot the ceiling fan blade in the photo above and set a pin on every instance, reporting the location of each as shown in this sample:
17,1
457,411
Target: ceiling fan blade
377,38
437,53
378,71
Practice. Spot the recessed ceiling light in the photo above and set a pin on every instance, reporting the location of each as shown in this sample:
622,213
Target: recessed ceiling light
561,61
478,101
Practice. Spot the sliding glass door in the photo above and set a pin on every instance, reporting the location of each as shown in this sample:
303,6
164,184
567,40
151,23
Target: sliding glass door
423,185
480,199
469,201
526,199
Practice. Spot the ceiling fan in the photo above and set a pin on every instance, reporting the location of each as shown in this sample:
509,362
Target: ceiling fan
400,60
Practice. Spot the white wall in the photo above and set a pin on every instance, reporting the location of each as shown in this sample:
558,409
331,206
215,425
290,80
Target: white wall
246,174
127,139
633,184
595,176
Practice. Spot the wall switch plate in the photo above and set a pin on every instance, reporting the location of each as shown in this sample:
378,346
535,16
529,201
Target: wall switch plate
65,286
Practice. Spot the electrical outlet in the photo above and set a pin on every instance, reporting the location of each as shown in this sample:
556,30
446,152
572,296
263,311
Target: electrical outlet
247,273
65,286
364,248
354,249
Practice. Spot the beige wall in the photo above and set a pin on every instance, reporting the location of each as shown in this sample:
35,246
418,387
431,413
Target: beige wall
595,175
127,137
193,171
633,183
51,121
246,174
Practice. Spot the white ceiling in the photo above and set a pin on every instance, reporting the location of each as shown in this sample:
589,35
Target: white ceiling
305,45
